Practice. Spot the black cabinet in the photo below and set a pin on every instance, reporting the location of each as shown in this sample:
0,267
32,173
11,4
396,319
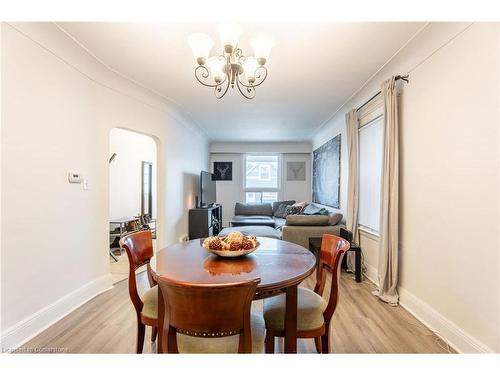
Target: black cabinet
205,222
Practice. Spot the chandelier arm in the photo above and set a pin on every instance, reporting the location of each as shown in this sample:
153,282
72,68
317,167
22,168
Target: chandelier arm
257,76
250,90
205,73
219,89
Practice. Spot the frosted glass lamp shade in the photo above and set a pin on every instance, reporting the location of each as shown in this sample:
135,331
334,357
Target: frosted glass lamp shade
229,35
262,49
250,65
201,44
217,65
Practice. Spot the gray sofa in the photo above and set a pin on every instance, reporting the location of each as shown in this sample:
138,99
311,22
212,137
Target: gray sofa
249,214
295,228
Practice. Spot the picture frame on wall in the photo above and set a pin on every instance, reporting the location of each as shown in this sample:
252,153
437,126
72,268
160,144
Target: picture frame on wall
296,171
223,170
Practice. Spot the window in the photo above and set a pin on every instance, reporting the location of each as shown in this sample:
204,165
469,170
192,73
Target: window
370,170
261,178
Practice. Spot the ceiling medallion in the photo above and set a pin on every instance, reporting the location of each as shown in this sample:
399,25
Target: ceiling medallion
231,67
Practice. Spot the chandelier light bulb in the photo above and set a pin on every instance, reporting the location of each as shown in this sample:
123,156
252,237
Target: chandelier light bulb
201,44
262,49
229,35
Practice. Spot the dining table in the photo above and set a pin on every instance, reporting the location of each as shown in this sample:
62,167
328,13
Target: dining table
280,265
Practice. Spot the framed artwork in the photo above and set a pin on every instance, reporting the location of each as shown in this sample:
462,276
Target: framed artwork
296,171
326,173
223,170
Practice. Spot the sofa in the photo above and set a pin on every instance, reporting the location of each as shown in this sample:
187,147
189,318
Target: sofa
251,214
313,222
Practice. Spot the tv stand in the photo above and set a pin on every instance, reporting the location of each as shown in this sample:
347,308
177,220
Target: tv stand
205,221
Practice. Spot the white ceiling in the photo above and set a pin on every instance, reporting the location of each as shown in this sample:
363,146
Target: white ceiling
313,69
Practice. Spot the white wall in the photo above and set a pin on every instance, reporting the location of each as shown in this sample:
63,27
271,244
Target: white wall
449,245
58,107
230,192
125,172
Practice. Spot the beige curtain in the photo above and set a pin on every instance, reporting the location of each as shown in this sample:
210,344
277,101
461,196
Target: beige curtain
351,119
389,222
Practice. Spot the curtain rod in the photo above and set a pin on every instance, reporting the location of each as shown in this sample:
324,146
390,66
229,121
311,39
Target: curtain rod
404,78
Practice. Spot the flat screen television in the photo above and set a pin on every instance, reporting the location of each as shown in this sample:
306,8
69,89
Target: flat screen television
207,189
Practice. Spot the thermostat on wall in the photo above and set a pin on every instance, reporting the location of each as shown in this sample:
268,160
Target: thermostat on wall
74,178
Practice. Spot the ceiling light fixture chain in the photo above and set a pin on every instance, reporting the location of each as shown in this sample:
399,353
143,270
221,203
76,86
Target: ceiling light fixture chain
232,66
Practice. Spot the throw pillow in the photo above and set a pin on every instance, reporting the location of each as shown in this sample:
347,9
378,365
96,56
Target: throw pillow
292,210
314,209
281,210
301,205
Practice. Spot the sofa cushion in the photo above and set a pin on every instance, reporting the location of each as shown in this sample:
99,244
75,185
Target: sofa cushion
245,220
300,234
255,230
334,218
281,211
264,209
307,220
277,205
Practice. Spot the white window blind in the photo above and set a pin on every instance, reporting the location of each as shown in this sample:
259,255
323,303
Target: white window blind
370,169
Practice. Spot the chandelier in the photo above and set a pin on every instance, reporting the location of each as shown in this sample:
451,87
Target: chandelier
231,68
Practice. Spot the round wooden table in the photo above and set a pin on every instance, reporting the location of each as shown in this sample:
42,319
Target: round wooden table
280,265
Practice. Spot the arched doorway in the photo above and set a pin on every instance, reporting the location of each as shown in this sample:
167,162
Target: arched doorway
132,191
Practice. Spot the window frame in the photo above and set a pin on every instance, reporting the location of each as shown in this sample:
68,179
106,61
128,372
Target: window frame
367,116
246,189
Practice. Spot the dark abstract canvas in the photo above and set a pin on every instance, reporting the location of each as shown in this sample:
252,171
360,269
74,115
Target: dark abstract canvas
326,173
223,170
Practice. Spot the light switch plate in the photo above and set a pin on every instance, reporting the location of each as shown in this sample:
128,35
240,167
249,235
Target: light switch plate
74,177
85,184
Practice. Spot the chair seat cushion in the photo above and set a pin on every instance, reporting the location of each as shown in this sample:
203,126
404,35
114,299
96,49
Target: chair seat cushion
150,301
310,307
229,344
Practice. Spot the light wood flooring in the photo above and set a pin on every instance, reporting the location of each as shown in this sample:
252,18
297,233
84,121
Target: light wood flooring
361,324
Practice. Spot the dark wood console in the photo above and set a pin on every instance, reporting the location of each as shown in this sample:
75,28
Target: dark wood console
205,222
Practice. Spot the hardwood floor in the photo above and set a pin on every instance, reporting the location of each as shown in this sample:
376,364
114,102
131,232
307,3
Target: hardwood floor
361,324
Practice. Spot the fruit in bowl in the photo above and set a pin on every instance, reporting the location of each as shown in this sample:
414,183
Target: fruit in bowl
234,244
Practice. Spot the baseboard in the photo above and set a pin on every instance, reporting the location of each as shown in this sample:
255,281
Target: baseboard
460,340
18,334
371,273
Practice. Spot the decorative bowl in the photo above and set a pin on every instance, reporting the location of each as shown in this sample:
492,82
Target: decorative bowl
233,253
226,253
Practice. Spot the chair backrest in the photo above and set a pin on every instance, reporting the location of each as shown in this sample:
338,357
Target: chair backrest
139,249
208,310
333,249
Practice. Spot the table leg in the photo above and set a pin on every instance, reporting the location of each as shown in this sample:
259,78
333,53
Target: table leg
161,320
358,269
291,320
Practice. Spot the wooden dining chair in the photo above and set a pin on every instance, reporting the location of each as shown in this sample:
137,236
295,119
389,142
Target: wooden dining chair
139,248
313,312
203,318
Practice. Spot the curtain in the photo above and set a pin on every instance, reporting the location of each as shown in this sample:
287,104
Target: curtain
351,119
389,200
